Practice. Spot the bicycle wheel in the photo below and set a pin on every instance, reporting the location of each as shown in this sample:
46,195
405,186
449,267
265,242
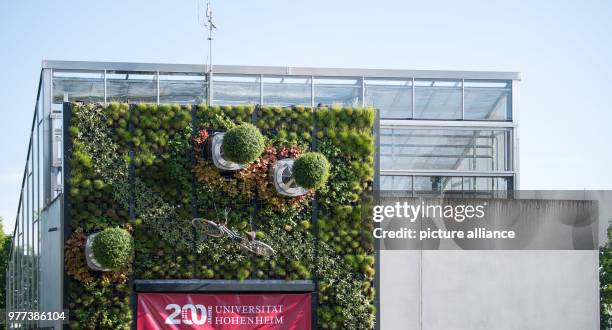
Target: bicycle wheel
208,227
257,247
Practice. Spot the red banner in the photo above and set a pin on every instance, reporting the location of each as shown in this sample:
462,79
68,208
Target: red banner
223,311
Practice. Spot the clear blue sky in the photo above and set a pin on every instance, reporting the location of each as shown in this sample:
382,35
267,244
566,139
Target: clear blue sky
563,50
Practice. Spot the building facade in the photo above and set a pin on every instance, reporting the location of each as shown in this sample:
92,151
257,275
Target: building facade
439,131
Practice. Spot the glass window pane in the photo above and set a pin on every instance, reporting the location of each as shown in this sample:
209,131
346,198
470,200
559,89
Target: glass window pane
429,186
27,245
9,283
437,99
345,92
39,104
34,162
445,149
286,91
124,86
488,100
41,166
182,88
452,184
78,86
392,97
235,89
395,183
487,187
21,249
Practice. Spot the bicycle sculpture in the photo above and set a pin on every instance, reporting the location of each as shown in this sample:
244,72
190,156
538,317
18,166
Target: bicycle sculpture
218,230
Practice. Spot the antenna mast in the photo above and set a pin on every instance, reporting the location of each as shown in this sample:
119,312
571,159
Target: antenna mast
210,26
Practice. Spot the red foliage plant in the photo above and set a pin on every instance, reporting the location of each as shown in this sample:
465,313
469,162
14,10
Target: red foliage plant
200,138
255,179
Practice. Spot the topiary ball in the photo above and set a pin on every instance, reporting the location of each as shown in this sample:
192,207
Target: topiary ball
243,144
311,170
113,248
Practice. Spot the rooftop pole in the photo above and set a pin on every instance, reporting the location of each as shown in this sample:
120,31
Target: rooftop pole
209,25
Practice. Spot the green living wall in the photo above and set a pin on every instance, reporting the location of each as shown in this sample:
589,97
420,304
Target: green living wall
143,168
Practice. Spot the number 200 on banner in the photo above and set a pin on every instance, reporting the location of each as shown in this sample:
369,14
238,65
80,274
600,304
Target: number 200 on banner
224,311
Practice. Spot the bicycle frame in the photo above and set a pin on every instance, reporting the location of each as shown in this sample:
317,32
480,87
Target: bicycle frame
249,244
230,233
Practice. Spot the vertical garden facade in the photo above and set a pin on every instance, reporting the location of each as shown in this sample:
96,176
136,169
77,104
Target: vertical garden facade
437,131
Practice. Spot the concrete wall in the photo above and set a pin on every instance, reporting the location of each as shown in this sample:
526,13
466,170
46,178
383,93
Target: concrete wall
486,290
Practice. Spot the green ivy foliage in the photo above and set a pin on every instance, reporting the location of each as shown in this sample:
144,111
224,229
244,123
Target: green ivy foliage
142,159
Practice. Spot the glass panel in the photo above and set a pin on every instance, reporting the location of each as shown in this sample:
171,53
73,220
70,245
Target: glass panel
34,164
78,86
452,184
35,215
27,232
124,86
235,90
488,100
346,92
9,283
429,186
285,91
444,149
182,88
57,154
47,92
41,166
485,187
435,185
437,99
39,104
395,183
35,273
392,97
20,250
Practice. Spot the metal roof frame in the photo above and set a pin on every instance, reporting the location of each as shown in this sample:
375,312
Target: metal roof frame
279,70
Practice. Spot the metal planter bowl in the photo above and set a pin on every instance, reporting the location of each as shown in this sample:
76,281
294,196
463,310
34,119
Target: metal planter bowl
214,152
89,256
281,175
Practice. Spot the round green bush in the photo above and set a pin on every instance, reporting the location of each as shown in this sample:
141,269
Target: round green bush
243,144
311,170
113,248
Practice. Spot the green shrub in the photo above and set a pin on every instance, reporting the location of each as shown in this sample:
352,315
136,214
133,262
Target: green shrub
243,144
113,248
311,170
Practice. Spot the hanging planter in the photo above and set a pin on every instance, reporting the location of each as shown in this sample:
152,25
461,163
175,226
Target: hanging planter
89,255
215,152
295,177
282,176
236,148
108,250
